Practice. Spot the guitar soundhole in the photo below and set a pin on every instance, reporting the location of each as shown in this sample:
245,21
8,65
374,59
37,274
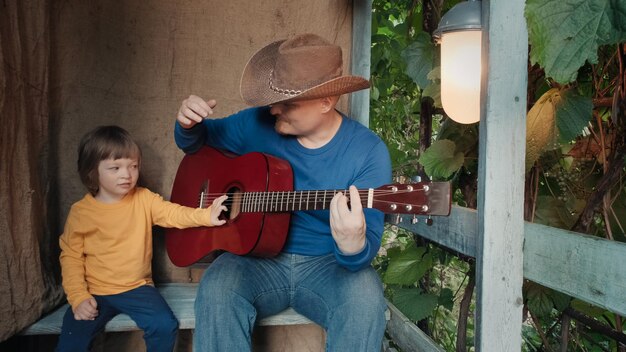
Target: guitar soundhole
233,203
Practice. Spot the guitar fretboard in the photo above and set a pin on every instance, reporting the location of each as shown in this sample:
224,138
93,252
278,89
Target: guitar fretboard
285,201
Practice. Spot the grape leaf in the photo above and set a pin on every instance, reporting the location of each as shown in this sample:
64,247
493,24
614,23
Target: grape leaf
572,115
408,267
414,304
564,34
419,57
440,160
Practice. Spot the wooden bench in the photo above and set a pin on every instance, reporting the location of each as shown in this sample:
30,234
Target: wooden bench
180,297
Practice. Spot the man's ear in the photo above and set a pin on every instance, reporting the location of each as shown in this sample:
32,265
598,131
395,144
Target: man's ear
328,103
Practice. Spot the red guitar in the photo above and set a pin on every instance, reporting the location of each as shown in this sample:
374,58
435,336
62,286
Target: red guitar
261,197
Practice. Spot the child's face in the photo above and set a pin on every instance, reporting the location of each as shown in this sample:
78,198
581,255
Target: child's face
116,177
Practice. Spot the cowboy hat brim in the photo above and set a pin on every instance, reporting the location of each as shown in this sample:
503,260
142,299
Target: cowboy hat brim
256,90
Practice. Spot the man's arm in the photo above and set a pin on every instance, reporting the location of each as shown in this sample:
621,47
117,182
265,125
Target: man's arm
191,139
358,232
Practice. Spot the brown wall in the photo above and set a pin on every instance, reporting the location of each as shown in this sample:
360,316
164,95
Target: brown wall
131,63
73,65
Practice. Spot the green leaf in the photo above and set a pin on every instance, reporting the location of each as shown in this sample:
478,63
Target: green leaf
541,300
465,137
374,93
408,267
433,89
561,300
573,113
587,308
564,34
549,212
394,252
440,160
446,298
419,58
538,299
415,305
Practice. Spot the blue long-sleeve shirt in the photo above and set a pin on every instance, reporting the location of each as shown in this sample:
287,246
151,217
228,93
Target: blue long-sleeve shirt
354,156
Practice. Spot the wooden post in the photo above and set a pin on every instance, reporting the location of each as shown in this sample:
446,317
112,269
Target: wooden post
501,177
360,58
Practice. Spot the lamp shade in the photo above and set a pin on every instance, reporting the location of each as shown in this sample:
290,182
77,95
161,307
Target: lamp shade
460,37
460,75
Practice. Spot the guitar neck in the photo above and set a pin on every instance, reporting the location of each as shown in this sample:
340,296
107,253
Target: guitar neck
286,201
432,198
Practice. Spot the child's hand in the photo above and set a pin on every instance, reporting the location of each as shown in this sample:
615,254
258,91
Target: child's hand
86,310
216,209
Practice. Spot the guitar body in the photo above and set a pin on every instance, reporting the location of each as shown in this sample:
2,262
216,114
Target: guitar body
245,233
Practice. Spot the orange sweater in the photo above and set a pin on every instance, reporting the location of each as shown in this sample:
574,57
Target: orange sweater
107,248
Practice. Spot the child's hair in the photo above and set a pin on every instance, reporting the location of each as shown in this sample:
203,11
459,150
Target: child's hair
104,142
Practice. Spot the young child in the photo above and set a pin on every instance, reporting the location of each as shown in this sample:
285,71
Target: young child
107,244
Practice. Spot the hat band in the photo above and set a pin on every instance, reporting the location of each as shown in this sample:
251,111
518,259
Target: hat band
287,92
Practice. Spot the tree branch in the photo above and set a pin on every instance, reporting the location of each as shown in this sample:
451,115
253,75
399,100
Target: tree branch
616,159
537,325
596,326
565,319
461,329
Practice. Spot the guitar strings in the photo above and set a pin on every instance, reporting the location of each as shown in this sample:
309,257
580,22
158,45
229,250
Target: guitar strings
333,192
280,198
294,194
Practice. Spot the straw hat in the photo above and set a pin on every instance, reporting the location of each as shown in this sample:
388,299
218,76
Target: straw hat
301,68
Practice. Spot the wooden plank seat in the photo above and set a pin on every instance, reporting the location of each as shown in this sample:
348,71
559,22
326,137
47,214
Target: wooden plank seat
179,296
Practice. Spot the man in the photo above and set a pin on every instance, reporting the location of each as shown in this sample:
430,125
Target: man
324,270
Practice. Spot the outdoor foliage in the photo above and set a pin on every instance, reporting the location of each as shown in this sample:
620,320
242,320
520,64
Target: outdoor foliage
574,161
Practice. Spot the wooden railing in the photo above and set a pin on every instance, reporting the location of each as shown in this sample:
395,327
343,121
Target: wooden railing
578,265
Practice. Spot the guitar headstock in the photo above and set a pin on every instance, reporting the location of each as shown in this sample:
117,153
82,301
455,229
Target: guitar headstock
421,198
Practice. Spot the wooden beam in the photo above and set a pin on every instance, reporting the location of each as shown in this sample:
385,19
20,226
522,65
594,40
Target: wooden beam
407,335
502,145
360,58
581,266
456,232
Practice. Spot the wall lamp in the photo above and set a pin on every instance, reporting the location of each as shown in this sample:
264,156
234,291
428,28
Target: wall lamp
459,33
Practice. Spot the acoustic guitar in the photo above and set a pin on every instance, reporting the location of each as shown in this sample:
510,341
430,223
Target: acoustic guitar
261,197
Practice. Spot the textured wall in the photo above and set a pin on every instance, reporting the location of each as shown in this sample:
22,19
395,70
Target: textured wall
79,64
132,63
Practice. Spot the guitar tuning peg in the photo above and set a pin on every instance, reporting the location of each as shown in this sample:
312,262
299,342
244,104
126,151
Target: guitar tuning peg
416,179
429,221
414,220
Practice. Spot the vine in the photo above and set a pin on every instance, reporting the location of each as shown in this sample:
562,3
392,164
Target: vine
575,162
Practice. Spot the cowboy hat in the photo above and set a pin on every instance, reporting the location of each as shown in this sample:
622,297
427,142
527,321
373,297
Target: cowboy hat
301,68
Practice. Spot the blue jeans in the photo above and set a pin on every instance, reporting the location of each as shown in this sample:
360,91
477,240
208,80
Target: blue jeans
144,305
235,291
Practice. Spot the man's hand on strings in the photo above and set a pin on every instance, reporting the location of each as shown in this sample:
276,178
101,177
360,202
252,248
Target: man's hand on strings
347,223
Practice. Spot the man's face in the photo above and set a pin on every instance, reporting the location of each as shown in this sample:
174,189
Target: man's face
299,118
